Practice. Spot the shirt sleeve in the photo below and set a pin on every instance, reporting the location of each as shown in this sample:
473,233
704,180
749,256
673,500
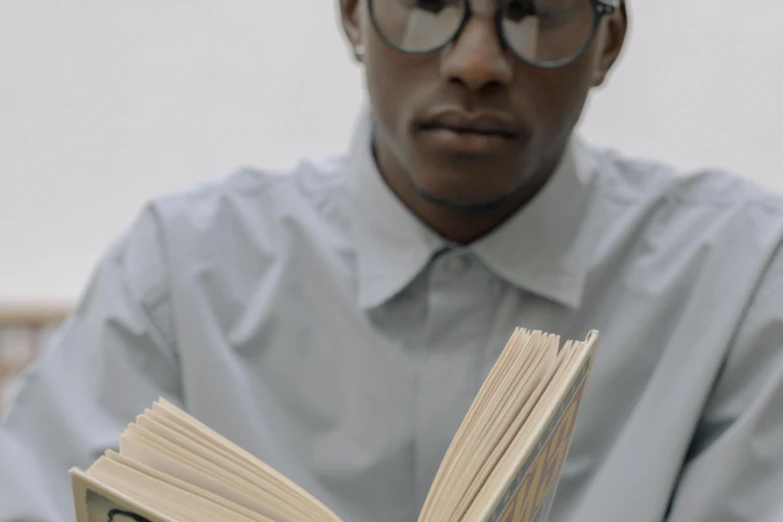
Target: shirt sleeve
734,472
109,361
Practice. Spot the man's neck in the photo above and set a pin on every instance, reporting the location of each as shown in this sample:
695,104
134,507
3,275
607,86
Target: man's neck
460,225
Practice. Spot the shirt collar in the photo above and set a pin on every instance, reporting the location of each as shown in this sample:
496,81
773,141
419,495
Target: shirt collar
540,249
544,247
392,245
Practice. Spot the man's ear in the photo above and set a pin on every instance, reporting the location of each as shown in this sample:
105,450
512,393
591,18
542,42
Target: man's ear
350,15
613,34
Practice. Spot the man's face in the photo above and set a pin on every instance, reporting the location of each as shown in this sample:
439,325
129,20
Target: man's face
518,117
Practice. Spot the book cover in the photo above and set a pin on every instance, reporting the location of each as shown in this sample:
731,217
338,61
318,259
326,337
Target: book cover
96,502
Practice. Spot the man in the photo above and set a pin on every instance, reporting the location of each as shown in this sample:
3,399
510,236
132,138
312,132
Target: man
338,319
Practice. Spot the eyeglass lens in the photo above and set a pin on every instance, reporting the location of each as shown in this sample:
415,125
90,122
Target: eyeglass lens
539,31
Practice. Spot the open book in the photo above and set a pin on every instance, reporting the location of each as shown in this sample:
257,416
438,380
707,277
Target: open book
503,464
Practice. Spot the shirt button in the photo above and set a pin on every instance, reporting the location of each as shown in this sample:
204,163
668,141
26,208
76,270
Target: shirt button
456,265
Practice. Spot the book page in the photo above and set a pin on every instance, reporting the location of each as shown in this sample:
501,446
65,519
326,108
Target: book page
521,487
270,479
506,394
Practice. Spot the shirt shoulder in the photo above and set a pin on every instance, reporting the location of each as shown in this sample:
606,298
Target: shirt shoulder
227,236
211,245
632,179
707,204
657,225
255,209
308,189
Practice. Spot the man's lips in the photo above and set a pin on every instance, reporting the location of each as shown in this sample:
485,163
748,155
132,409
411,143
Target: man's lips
468,130
456,131
461,122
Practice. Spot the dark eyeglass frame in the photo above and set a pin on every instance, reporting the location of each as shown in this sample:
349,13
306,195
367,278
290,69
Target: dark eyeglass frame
601,8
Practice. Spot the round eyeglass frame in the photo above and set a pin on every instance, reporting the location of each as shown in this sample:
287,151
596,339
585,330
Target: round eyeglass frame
601,8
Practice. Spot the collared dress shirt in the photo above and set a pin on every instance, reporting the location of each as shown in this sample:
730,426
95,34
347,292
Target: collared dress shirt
308,316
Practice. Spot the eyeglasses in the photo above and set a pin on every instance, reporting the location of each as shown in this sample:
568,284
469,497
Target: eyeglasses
542,33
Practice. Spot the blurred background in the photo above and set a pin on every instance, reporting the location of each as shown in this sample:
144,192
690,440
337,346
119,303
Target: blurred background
107,103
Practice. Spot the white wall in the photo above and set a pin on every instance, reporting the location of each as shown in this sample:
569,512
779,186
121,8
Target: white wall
105,103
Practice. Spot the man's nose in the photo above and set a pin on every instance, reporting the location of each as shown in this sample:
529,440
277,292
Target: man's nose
477,57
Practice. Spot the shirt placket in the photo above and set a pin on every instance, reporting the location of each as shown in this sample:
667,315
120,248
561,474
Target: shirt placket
450,369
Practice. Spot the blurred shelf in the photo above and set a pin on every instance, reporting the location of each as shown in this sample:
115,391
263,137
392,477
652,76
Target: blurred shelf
26,314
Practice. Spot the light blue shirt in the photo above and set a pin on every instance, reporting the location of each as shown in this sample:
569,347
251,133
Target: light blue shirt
310,318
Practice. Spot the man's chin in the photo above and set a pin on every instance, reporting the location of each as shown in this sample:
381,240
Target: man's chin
464,199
